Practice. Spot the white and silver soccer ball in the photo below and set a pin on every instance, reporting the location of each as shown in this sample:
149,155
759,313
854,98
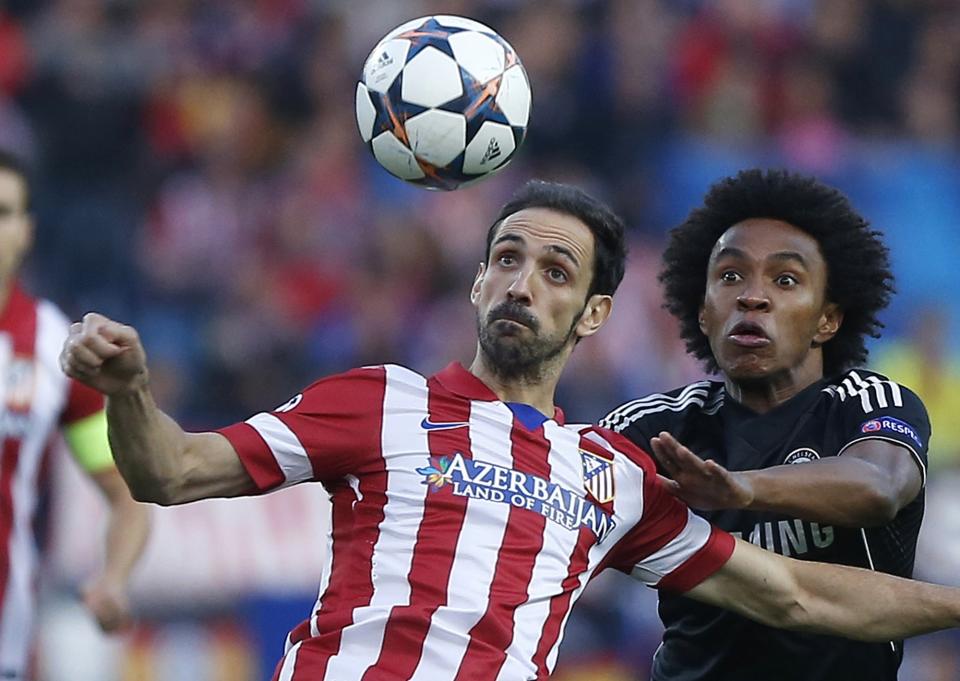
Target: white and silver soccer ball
444,101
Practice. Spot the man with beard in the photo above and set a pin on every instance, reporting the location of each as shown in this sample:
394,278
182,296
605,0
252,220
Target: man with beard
777,282
467,518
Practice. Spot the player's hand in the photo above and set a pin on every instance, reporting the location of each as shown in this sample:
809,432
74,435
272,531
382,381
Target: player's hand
105,355
107,602
705,485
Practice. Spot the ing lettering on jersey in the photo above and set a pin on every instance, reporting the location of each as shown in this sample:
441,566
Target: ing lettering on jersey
792,537
475,479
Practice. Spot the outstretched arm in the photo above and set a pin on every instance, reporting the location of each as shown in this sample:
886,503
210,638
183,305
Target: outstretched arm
159,461
865,487
827,599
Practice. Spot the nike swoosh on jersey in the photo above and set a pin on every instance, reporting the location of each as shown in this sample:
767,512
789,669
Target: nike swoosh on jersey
427,424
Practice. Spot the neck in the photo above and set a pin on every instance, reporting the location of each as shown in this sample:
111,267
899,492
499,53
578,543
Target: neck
537,392
765,393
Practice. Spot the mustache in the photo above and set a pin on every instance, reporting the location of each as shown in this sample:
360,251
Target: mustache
514,312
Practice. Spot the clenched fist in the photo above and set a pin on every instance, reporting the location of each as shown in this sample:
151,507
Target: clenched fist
105,355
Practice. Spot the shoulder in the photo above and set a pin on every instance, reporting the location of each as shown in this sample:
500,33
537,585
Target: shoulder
701,396
377,373
612,445
866,391
360,388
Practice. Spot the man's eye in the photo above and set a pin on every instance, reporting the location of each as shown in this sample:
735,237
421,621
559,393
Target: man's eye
506,259
786,280
729,276
557,275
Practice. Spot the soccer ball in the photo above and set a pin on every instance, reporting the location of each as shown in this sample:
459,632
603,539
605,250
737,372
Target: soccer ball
443,102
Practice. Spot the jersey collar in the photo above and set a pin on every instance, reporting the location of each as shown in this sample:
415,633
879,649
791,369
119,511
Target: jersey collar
459,381
774,424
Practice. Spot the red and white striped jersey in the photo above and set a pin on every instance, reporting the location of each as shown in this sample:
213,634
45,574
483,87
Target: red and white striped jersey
463,528
35,399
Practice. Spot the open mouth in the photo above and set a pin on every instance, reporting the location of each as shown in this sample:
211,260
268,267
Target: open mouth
749,335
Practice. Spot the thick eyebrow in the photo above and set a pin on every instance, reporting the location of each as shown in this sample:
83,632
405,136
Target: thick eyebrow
566,252
734,252
554,248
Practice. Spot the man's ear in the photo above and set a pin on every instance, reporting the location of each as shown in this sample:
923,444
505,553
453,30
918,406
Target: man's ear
475,289
595,314
701,320
828,324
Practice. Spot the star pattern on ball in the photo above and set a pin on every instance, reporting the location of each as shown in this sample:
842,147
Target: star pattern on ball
429,34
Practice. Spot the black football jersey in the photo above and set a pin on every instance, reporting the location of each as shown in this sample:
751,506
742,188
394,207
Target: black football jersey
704,643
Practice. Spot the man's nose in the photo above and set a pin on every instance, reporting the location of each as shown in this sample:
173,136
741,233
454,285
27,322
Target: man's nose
753,298
519,289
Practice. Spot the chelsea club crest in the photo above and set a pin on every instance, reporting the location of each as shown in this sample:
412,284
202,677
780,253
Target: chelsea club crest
802,455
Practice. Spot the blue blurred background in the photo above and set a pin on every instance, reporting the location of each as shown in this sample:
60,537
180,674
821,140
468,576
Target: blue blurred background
200,176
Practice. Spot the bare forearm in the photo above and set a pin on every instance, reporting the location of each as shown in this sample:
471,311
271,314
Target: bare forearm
827,599
838,491
158,460
127,532
148,446
872,606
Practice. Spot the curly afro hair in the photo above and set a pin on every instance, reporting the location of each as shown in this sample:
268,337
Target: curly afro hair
859,279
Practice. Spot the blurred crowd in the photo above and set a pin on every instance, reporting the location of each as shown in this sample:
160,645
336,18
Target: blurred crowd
199,174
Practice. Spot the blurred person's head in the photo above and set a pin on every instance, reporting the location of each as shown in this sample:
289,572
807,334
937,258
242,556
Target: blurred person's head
16,221
776,278
554,259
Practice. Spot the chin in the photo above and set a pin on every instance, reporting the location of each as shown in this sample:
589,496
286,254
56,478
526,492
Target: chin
748,368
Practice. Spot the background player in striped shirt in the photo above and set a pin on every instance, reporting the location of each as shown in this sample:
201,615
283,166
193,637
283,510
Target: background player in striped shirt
36,399
776,282
467,517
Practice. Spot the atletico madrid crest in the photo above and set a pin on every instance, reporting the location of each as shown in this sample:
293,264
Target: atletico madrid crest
597,476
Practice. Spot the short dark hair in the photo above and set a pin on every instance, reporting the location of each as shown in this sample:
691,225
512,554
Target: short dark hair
12,163
859,279
610,250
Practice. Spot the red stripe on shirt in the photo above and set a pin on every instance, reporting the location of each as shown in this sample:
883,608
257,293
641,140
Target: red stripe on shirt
522,541
255,455
664,519
711,557
338,423
434,550
19,319
560,604
354,524
8,465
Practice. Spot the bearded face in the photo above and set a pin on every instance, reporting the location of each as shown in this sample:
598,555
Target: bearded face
511,339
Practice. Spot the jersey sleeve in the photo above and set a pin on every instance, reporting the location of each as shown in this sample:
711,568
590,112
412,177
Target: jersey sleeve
885,410
82,401
636,425
670,548
644,418
330,430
